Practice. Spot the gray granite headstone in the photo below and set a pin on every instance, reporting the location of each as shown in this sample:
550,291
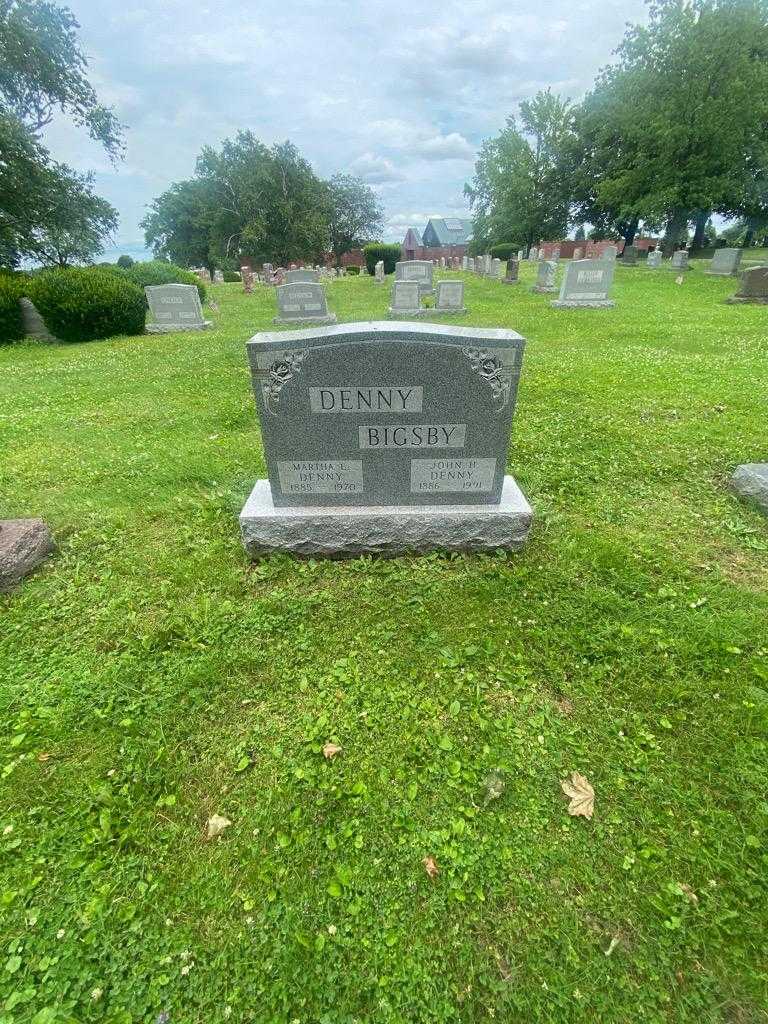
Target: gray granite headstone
753,288
586,283
298,303
750,482
609,253
450,297
385,437
533,255
679,260
471,264
545,279
405,300
378,273
465,263
578,253
629,256
496,269
174,307
218,277
420,271
302,277
654,259
513,270
725,262
520,255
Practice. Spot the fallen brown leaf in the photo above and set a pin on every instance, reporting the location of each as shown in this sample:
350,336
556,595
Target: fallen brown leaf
581,794
688,891
330,750
42,758
565,706
216,825
430,866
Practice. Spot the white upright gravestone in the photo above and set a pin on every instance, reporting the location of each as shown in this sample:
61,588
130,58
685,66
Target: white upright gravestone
385,438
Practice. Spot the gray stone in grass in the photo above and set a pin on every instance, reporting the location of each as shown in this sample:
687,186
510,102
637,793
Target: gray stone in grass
34,325
750,482
405,300
654,259
679,260
513,270
450,298
629,256
753,288
302,303
302,277
725,263
24,545
174,307
545,280
587,283
420,271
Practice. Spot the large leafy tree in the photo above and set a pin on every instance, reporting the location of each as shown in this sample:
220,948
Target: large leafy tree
354,214
74,222
520,189
672,129
43,68
179,224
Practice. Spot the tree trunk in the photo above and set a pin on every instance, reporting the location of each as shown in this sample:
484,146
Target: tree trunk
701,224
748,238
630,231
676,225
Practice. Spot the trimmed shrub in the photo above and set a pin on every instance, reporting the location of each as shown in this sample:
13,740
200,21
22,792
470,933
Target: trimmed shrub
378,251
504,251
12,287
125,262
159,272
230,276
352,271
82,304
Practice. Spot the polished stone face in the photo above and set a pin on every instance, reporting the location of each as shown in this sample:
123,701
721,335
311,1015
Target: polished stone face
754,285
725,262
386,413
174,304
302,276
405,296
420,271
679,260
654,259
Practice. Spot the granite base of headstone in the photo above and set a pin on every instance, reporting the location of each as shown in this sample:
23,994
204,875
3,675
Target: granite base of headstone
750,482
385,438
24,545
174,307
753,288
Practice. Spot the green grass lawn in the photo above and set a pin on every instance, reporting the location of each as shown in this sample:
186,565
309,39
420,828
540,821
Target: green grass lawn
152,678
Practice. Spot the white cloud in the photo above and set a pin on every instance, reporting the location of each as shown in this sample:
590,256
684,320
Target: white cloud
446,147
375,169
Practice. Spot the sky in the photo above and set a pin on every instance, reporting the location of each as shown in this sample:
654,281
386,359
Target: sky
400,93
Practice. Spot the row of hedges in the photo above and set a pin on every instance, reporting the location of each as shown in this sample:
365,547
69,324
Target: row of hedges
12,288
378,251
85,303
504,251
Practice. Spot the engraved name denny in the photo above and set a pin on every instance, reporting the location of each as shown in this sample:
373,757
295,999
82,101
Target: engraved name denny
388,398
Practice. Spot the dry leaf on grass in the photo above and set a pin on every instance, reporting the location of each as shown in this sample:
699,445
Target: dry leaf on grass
581,795
564,706
42,758
679,280
216,825
330,750
430,866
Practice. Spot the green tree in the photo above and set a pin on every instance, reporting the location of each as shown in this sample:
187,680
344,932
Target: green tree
43,68
520,189
354,215
180,223
670,131
74,221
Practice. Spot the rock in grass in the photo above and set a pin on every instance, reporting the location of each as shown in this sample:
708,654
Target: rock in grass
751,483
24,544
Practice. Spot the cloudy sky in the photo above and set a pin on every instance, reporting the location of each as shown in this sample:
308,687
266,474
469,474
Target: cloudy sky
399,92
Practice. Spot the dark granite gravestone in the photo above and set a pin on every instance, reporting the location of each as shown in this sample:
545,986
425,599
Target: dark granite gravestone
629,256
545,279
513,271
586,283
302,303
753,288
385,437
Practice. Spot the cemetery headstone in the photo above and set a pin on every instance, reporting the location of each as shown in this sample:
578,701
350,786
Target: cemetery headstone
204,274
442,262
33,323
609,253
496,269
450,298
545,279
629,256
587,283
750,482
24,545
513,270
174,307
578,253
725,262
533,255
301,276
405,300
654,259
465,263
520,255
753,288
302,301
246,276
556,255
420,271
218,277
488,264
679,260
378,274
471,264
385,438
